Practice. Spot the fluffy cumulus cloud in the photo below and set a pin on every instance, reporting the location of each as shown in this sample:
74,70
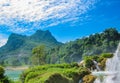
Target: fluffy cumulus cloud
39,11
3,40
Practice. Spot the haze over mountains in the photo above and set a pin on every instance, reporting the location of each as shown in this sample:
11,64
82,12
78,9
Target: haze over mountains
18,49
20,46
95,44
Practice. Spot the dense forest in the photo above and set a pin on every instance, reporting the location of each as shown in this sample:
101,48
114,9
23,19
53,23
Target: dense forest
94,44
20,47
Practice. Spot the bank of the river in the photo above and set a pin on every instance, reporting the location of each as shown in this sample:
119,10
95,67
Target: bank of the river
17,68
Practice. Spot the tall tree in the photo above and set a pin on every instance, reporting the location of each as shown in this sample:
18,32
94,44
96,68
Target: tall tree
39,55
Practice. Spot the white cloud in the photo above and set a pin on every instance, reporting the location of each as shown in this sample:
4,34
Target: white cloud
42,10
3,40
19,30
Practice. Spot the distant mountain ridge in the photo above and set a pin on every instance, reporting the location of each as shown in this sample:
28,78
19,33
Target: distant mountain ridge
17,50
18,47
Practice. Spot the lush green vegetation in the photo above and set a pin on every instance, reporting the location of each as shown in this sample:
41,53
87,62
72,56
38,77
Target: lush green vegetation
56,73
66,73
38,57
17,50
100,59
97,47
107,55
3,78
95,44
62,73
20,47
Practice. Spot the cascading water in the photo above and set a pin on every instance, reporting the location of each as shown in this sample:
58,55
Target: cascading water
112,72
96,65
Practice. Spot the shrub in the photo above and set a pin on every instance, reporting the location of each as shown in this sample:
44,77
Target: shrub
58,78
3,79
107,55
100,59
54,73
74,64
1,72
88,62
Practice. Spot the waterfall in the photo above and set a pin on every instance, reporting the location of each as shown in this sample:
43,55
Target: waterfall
96,65
113,65
112,69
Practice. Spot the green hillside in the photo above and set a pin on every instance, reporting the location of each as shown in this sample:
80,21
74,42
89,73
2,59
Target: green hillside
97,43
66,73
58,73
18,48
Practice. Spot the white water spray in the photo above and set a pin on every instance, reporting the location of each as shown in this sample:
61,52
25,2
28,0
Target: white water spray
112,72
96,65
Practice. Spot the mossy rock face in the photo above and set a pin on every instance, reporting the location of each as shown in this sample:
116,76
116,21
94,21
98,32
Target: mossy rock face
89,79
102,64
58,78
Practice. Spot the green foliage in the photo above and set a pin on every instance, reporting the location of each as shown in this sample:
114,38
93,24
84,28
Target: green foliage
72,51
100,59
1,72
58,78
3,79
95,44
54,73
107,55
19,45
88,61
39,54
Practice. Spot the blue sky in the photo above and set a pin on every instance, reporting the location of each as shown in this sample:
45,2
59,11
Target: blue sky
66,19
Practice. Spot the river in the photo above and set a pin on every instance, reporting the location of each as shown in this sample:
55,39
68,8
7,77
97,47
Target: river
13,74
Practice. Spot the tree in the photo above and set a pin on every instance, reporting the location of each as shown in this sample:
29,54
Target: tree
38,55
3,79
2,71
